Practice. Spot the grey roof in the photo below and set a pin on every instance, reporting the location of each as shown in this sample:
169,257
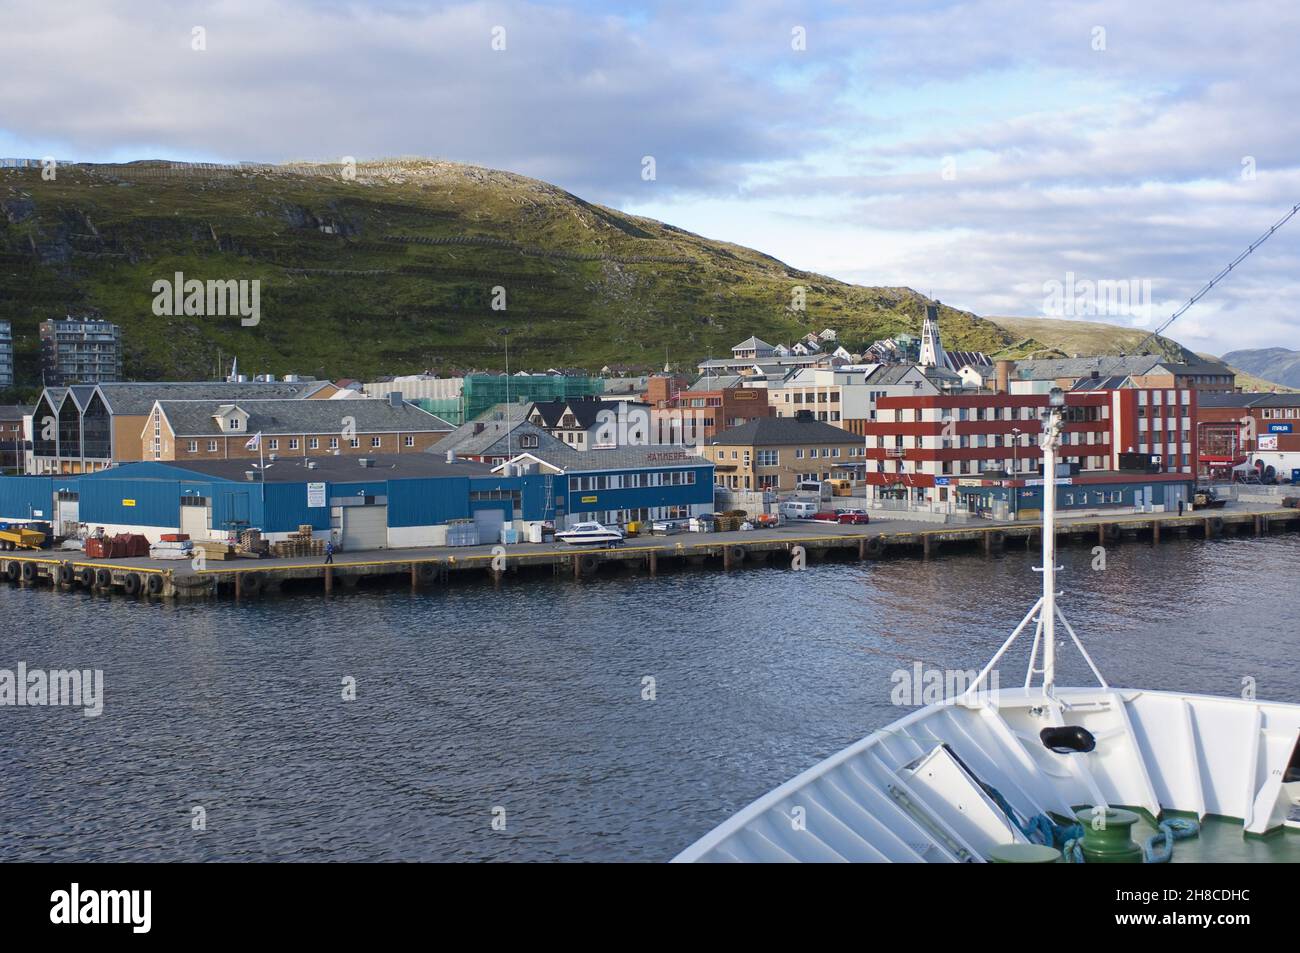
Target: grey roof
751,344
194,418
1053,368
15,411
888,374
491,440
1273,400
1247,400
136,398
783,431
585,412
330,468
81,394
717,382
643,456
53,395
1111,382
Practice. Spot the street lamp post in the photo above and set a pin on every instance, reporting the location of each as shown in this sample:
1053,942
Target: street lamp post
505,333
1015,471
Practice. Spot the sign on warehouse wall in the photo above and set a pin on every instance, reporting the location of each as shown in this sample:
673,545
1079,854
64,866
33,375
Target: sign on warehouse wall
315,494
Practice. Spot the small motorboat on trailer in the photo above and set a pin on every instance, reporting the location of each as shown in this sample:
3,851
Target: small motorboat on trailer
1041,773
590,534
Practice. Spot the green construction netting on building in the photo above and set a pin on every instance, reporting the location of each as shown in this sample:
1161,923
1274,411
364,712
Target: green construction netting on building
481,392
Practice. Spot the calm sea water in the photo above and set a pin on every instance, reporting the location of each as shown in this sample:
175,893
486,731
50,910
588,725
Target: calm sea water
529,698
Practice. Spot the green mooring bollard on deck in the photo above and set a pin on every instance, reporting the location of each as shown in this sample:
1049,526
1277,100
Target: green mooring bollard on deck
1106,837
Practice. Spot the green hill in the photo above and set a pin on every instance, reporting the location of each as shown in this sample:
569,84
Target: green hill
1068,338
392,272
1058,337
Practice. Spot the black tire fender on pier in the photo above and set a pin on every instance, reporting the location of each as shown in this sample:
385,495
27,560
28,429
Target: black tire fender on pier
103,578
12,571
426,572
1216,523
250,582
86,576
588,562
153,583
29,572
131,584
998,538
737,553
875,545
65,575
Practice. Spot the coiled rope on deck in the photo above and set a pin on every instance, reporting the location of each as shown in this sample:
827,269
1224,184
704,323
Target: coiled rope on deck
1159,847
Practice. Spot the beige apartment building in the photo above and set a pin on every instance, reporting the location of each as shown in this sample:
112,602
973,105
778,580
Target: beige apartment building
776,453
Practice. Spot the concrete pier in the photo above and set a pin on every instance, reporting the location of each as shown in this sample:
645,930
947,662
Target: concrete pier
425,569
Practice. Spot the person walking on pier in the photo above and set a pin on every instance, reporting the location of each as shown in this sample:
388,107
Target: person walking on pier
329,552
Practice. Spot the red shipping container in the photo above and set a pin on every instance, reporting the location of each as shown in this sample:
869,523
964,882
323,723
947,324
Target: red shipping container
97,548
174,537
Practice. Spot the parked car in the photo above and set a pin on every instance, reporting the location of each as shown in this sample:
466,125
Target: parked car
854,517
826,516
798,509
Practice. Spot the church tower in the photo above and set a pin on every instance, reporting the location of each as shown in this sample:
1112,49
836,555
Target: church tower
932,352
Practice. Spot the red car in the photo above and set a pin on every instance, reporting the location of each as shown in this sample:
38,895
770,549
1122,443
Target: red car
826,516
854,517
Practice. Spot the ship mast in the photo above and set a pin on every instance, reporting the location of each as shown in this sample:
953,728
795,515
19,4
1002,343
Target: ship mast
1049,440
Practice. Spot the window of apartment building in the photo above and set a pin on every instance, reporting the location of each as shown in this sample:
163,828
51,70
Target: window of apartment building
768,458
273,444
376,441
293,443
798,453
234,423
334,443
835,452
313,443
212,446
354,442
193,446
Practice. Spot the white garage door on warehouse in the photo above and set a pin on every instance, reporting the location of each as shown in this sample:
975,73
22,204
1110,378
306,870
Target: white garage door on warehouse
364,527
489,523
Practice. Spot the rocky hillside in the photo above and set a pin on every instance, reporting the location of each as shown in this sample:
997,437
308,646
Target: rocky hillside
392,270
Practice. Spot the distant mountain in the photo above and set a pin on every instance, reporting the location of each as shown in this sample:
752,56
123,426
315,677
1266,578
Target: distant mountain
393,269
1274,363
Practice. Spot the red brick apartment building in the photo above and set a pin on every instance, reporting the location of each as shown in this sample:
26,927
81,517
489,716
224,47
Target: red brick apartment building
683,415
919,447
1232,427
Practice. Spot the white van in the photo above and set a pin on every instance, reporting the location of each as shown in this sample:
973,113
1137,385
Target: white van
821,488
798,509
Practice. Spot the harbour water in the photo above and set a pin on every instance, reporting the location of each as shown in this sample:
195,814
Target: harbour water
529,705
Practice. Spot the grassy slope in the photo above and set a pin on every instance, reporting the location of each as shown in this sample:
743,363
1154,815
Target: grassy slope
1087,338
1057,336
586,285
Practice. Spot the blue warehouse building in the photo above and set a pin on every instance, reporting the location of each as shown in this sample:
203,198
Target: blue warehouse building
368,503
617,485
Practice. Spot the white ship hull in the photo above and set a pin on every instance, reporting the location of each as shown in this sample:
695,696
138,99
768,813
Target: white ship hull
896,795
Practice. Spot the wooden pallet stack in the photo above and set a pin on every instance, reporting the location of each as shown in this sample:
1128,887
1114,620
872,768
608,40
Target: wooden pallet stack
301,543
252,543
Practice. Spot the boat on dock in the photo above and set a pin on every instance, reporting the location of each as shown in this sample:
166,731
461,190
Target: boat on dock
1042,773
590,534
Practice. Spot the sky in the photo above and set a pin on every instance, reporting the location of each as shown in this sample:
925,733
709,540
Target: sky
1000,156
